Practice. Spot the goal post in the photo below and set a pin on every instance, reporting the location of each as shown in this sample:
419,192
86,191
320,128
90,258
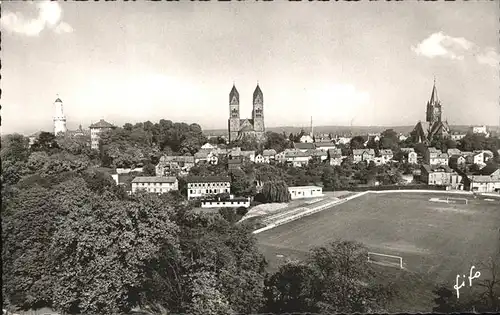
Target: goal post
457,200
386,260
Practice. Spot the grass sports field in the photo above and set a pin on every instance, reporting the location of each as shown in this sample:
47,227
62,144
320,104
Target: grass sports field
438,240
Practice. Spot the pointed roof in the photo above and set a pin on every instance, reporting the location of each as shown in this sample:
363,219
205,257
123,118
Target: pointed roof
102,124
434,95
257,92
58,100
234,93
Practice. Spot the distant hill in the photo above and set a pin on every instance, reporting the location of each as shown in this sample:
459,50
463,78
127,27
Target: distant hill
355,130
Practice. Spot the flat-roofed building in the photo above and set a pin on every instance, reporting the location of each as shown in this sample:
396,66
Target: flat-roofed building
203,186
234,202
299,192
155,184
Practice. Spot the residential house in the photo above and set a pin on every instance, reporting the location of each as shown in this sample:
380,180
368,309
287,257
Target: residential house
457,161
407,150
249,155
155,184
299,192
169,163
476,158
488,155
335,156
207,156
456,136
324,145
343,140
259,159
363,155
203,186
386,155
296,158
268,155
440,175
95,132
234,163
402,137
486,180
433,156
318,153
306,139
304,146
480,129
454,152
412,157
208,146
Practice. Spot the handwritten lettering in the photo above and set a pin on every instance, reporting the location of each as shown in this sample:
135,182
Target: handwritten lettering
476,275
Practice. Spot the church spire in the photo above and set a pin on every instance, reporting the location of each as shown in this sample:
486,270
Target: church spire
234,96
434,96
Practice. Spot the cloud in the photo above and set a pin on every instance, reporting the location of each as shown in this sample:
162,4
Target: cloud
455,48
49,16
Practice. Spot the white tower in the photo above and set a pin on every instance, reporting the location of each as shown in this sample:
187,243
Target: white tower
59,118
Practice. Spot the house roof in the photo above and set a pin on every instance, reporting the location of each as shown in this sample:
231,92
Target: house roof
234,93
203,153
102,124
483,179
234,161
407,149
269,152
256,92
316,152
296,153
304,146
247,153
488,169
386,152
324,144
154,179
175,158
58,100
454,151
335,153
361,151
208,179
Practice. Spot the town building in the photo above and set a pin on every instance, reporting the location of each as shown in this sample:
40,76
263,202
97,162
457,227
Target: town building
440,175
486,180
299,192
386,155
306,139
234,163
433,156
155,184
457,161
293,157
208,146
254,127
268,155
59,117
412,157
476,158
480,129
259,159
304,146
169,164
324,145
456,136
322,155
360,155
96,130
207,156
204,186
335,157
433,126
453,152
232,202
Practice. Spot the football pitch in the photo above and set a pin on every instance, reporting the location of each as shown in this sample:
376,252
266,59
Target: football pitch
440,240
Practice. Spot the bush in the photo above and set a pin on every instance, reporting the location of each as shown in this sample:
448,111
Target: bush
241,211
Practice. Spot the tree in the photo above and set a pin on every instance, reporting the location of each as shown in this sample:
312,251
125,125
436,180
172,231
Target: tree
275,191
357,143
277,142
241,184
389,140
149,169
336,278
46,142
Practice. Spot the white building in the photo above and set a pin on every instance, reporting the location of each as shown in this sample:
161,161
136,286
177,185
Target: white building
96,130
230,203
480,129
386,155
154,184
201,186
299,192
59,118
306,139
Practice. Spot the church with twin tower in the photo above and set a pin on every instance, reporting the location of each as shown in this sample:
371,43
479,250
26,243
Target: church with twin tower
253,127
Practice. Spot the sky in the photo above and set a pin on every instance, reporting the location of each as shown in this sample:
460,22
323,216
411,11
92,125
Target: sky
360,63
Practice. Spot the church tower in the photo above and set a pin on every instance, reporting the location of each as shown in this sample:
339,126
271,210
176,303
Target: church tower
433,113
258,111
59,118
234,114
